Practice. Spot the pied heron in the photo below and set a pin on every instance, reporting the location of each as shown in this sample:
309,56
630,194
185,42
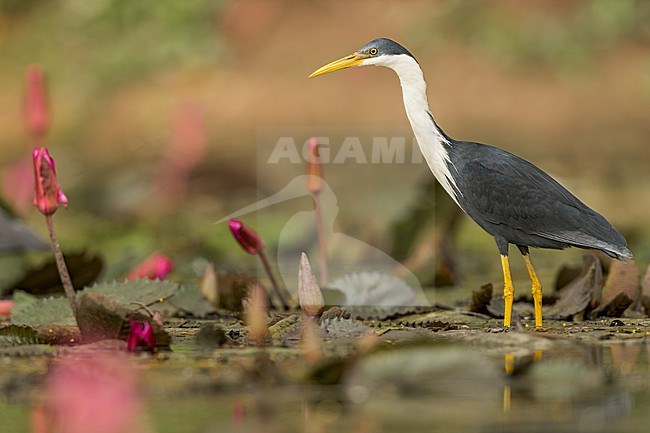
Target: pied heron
507,196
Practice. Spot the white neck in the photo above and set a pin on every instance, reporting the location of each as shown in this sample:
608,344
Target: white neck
430,139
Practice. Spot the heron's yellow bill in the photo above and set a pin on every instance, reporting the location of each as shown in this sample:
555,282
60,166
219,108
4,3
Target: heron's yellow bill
355,59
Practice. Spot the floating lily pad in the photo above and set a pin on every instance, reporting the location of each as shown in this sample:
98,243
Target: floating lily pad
16,236
100,317
343,328
138,290
45,281
14,335
375,289
190,300
32,311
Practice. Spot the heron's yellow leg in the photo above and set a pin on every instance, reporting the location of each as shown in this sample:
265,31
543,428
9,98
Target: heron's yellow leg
536,290
508,291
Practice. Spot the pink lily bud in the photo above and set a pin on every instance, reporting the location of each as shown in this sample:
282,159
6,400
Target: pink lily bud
247,237
314,168
47,193
156,266
36,101
141,336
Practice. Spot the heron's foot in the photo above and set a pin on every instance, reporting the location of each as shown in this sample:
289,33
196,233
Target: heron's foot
516,325
534,327
497,328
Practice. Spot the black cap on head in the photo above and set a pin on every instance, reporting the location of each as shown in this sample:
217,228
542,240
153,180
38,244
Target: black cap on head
385,47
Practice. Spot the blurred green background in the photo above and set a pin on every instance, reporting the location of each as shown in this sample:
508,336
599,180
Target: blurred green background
565,84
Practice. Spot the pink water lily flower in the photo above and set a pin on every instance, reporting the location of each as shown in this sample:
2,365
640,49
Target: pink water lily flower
47,192
156,266
141,336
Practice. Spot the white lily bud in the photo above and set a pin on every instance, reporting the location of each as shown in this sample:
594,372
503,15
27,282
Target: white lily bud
309,293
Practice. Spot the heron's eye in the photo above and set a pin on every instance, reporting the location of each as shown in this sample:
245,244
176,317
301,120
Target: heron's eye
373,51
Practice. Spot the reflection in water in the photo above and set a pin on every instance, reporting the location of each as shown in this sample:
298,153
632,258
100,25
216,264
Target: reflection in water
91,392
625,357
513,366
507,398
586,388
570,387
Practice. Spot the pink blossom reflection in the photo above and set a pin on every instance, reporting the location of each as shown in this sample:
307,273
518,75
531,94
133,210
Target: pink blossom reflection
98,394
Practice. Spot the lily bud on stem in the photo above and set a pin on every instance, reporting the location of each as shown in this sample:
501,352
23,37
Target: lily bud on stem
309,292
315,186
47,198
251,242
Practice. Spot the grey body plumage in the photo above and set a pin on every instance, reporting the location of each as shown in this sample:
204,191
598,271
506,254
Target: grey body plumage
518,203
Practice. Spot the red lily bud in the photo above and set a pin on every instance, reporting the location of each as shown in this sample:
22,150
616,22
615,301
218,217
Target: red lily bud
247,238
36,101
314,168
141,335
47,193
156,266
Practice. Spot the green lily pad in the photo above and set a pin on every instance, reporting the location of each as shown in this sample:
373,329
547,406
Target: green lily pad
139,290
189,299
13,335
29,310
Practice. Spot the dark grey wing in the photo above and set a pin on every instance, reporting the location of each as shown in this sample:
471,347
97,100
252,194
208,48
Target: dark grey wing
507,191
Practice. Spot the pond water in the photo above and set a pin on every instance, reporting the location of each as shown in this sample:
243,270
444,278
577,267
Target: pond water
455,387
409,381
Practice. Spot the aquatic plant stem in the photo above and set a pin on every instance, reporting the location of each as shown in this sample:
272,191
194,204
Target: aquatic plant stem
322,245
267,268
61,266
